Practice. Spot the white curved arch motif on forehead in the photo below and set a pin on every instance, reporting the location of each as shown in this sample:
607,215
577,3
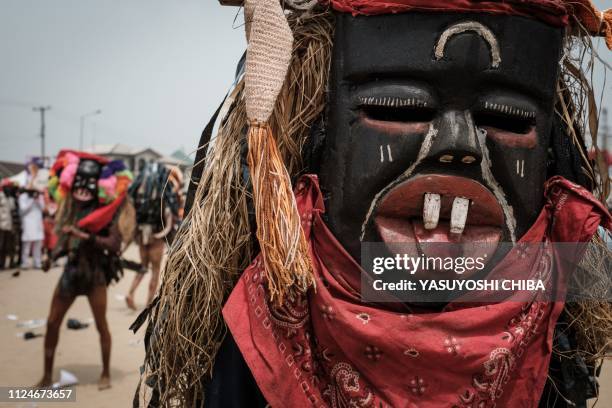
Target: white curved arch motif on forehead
302,5
466,26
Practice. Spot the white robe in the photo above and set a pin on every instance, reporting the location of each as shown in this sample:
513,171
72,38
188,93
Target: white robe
31,211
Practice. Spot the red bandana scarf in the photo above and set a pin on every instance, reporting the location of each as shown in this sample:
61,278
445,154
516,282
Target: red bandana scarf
328,349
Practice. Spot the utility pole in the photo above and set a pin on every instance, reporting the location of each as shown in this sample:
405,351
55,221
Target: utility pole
42,110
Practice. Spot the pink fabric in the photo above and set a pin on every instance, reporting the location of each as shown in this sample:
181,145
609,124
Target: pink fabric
66,156
109,186
69,171
328,349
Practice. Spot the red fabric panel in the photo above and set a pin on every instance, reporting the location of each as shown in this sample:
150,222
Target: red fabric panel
102,216
552,12
581,212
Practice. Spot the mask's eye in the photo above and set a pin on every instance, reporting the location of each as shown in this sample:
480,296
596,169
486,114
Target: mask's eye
391,109
505,118
507,125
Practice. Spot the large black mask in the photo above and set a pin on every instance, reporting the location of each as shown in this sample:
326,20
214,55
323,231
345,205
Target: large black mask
453,110
85,186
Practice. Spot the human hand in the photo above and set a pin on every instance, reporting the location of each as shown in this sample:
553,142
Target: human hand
74,231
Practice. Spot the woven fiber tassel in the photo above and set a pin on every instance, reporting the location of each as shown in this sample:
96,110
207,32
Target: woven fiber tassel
283,245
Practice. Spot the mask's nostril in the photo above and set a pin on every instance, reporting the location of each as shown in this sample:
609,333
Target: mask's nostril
468,159
446,158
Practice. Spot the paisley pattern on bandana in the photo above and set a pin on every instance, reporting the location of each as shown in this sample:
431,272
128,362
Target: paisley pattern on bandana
326,348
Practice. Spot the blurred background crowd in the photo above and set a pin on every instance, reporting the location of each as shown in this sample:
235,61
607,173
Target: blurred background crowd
27,211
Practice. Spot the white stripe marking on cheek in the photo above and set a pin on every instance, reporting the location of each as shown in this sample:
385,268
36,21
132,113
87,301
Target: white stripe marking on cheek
487,175
517,166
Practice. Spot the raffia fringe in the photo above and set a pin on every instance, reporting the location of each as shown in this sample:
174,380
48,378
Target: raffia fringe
282,242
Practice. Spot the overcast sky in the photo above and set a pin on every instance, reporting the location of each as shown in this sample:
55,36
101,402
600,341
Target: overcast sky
156,68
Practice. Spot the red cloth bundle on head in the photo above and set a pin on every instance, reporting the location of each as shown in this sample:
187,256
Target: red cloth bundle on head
61,175
559,13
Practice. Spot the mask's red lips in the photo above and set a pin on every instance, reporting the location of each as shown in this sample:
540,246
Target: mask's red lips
82,194
441,209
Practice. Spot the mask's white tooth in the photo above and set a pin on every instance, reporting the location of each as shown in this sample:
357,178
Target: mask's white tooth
459,215
431,211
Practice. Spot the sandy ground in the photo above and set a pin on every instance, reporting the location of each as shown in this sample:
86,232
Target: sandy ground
21,362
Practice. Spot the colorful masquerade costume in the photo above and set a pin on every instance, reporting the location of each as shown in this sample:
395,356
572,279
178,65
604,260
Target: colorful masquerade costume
94,261
155,190
299,333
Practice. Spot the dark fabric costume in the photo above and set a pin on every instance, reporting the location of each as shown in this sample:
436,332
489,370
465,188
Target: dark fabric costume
153,193
91,263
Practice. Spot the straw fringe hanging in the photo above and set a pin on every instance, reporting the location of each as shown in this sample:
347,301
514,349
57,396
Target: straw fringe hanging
215,241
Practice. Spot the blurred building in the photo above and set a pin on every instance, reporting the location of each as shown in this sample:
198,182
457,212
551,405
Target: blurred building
131,156
9,169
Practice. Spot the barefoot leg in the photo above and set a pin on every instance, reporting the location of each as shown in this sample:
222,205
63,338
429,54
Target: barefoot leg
144,260
59,307
97,302
156,253
129,299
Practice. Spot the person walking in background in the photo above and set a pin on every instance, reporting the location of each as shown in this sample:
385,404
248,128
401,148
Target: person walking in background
37,174
156,194
6,227
31,206
12,239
